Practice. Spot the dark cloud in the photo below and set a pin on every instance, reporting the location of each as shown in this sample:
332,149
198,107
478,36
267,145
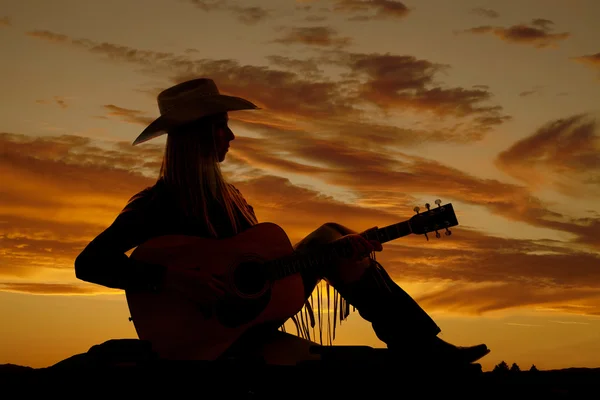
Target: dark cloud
247,15
50,36
564,153
591,60
314,36
485,12
58,100
544,24
526,93
537,33
390,83
372,9
405,81
534,90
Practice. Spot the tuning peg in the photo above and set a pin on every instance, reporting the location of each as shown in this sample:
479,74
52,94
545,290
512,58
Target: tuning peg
438,202
427,206
416,209
448,232
437,234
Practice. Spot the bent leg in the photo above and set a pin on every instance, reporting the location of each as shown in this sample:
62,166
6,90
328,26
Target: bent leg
366,285
345,271
396,317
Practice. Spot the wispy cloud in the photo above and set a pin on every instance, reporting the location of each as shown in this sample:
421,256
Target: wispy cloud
532,91
485,12
59,100
86,186
564,154
314,36
364,10
537,33
591,60
390,83
248,15
126,115
484,298
570,322
55,288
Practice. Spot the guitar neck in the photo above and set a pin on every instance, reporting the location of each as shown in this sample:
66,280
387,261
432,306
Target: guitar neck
331,252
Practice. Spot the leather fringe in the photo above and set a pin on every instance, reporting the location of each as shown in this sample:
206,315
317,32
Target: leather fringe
305,322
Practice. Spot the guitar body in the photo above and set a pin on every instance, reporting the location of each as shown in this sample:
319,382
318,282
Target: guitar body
255,293
180,328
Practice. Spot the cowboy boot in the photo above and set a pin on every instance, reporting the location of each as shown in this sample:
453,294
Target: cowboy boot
400,322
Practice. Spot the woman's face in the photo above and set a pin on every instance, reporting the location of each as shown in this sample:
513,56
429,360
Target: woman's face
223,135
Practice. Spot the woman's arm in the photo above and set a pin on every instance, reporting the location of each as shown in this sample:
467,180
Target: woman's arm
104,262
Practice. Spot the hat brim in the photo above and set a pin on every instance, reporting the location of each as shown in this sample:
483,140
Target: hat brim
203,107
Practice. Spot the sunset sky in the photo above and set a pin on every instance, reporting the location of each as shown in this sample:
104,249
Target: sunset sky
368,109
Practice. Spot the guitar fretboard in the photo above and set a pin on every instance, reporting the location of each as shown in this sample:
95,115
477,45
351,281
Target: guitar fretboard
331,252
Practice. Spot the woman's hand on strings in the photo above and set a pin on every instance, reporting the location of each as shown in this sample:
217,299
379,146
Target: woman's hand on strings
198,287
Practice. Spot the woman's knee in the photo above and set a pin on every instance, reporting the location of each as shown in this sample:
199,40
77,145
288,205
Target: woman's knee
338,228
325,233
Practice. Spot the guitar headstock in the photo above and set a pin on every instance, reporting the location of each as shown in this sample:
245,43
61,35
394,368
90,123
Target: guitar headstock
433,220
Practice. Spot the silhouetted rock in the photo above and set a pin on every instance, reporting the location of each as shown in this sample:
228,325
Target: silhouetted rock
122,367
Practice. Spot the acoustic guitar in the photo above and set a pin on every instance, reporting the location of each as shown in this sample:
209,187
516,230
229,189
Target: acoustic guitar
261,273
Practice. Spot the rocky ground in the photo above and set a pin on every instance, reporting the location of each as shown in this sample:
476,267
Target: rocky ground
360,374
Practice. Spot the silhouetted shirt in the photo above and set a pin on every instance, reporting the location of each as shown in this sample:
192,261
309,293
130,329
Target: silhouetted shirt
150,213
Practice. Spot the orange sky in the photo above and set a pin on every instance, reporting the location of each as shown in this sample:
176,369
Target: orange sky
368,109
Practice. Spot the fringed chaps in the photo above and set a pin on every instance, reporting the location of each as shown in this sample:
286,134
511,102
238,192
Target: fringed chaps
330,305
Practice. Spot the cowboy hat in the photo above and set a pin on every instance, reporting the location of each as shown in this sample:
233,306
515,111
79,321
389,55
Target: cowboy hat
187,102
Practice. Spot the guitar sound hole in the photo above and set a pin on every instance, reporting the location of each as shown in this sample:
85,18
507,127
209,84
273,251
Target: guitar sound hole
249,279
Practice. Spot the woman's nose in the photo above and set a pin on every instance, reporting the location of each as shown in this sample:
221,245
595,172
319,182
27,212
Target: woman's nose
231,135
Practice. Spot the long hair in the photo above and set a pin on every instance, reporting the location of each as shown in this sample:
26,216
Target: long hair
191,170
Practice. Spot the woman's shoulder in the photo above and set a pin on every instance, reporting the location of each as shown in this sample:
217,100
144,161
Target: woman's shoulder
146,197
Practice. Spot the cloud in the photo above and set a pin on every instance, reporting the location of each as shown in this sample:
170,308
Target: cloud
537,33
534,90
5,21
383,84
485,12
247,15
563,154
526,93
305,67
591,60
294,105
59,100
56,288
58,192
127,115
479,299
49,36
314,36
405,81
85,185
382,179
372,9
